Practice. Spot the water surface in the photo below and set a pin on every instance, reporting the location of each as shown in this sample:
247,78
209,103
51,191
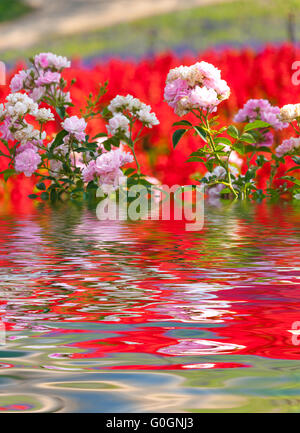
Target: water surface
108,316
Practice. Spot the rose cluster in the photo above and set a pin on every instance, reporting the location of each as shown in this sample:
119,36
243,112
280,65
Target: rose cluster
15,126
107,169
43,81
290,112
70,160
126,109
195,87
75,127
289,146
261,109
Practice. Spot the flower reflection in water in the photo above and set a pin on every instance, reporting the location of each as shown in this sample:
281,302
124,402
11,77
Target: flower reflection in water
96,311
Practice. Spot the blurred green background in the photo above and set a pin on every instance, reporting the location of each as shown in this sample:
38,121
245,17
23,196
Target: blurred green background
13,9
214,24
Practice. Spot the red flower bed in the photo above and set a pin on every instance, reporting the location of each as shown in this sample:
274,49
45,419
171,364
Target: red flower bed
267,74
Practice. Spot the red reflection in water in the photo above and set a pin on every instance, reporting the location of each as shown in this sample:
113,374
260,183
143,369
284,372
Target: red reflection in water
178,366
15,407
239,282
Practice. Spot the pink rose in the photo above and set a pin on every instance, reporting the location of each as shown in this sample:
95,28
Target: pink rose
5,131
112,181
111,161
287,146
17,82
89,172
41,60
27,162
202,97
50,60
175,90
261,109
26,146
37,93
48,78
75,126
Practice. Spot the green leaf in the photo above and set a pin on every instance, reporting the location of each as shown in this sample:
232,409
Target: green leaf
250,174
107,146
92,147
129,171
264,149
293,168
195,159
112,141
81,149
45,196
232,131
182,123
256,124
106,113
33,196
177,136
91,185
61,111
101,134
58,139
200,131
292,179
249,149
8,173
209,164
248,138
296,159
223,140
41,186
144,182
49,178
202,151
239,147
225,191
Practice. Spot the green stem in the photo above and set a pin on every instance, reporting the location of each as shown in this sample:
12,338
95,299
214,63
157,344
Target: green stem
132,144
136,161
4,154
222,163
295,129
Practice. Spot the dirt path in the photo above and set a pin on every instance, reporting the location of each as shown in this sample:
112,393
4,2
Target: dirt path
65,17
